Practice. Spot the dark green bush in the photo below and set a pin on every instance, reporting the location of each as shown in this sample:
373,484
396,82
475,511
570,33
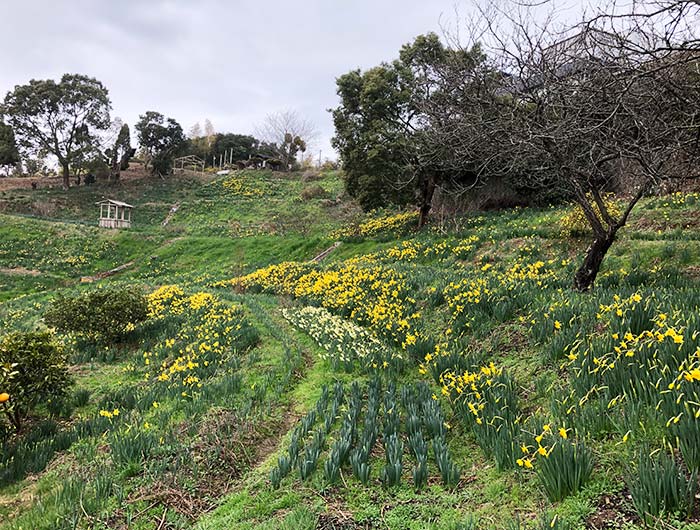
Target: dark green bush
41,373
102,315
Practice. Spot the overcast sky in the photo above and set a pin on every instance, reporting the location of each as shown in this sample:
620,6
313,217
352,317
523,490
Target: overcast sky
230,61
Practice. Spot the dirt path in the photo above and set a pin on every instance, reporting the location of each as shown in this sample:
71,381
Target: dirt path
325,253
20,271
173,210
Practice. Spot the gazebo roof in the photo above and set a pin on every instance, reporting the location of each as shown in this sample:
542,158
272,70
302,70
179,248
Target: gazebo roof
115,203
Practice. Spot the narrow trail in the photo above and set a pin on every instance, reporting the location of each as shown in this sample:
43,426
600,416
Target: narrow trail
173,210
325,253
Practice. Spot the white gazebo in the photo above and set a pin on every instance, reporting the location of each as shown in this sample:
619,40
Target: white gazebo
115,214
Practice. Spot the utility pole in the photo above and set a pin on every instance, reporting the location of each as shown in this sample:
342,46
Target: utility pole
319,159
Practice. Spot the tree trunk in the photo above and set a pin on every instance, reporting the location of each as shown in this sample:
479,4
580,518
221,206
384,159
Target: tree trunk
14,417
586,274
66,176
427,192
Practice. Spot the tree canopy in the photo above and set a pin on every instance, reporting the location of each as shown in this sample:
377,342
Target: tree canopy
58,118
382,127
160,138
120,153
241,145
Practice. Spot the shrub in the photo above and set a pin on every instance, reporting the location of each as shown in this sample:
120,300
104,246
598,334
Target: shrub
162,164
99,315
40,374
310,175
313,192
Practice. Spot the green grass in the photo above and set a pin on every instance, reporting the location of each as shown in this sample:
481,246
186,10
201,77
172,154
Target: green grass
218,234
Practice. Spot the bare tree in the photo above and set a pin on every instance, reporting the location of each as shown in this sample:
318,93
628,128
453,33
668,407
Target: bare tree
288,133
617,100
209,132
196,131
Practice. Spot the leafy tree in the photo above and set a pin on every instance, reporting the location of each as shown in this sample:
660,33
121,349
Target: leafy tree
242,146
40,373
9,155
372,136
383,129
161,138
58,118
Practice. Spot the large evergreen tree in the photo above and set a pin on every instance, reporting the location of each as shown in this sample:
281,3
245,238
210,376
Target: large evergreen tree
58,118
160,138
382,128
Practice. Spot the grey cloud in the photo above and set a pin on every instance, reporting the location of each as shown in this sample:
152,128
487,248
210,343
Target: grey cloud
230,61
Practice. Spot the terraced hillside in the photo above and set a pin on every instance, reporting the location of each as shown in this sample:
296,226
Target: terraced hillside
446,378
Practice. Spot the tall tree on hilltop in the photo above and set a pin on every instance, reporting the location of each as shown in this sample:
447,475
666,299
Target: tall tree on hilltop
120,153
238,147
58,118
160,138
209,132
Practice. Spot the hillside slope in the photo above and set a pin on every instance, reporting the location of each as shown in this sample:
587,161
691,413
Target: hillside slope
447,378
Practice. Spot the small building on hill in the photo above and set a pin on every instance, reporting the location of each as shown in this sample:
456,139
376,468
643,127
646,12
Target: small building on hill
115,214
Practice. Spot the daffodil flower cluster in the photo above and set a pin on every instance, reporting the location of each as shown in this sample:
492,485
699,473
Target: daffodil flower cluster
237,185
209,334
109,414
373,296
563,467
347,345
545,442
377,225
575,222
470,391
408,251
495,292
